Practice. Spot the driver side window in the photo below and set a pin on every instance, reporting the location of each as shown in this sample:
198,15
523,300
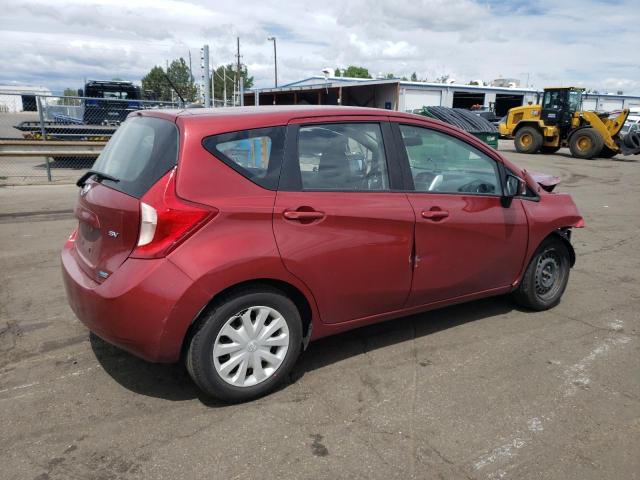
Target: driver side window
443,164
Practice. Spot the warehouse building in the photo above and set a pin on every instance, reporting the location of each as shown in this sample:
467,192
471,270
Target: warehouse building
406,96
20,98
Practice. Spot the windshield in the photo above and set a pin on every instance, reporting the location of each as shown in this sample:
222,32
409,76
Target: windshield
120,93
141,151
575,98
630,126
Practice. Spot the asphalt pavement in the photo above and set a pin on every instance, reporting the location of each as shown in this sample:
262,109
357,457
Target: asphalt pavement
476,391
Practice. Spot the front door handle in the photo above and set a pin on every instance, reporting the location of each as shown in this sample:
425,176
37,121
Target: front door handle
301,215
434,214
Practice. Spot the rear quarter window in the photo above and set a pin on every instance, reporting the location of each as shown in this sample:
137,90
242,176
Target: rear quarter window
256,154
141,151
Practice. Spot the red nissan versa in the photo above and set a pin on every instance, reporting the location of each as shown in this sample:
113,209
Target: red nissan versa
232,237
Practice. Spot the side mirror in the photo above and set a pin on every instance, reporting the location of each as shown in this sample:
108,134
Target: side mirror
512,186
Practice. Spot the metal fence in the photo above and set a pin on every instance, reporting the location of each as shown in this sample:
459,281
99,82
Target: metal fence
46,138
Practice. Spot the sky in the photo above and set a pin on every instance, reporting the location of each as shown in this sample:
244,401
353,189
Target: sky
589,43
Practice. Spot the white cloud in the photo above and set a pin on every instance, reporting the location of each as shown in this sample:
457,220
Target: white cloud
589,42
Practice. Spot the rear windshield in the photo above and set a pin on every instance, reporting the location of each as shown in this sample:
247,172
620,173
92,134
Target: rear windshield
141,151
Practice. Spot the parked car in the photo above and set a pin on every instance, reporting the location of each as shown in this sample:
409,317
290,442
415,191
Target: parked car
230,238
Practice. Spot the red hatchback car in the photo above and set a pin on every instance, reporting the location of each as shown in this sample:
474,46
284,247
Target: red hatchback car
230,238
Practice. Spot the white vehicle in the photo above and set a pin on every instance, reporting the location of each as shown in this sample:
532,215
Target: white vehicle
632,124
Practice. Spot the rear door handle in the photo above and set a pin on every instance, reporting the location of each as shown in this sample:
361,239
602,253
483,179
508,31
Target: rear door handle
302,215
434,214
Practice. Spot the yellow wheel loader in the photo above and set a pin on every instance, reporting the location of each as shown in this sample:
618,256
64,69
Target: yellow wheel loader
560,122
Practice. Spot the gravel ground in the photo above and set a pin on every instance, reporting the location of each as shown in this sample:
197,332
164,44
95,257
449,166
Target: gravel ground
476,391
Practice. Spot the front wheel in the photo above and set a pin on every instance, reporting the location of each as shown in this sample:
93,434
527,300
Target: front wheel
586,143
245,345
546,277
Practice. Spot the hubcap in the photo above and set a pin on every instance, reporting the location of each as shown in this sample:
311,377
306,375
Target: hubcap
547,274
584,143
526,139
251,346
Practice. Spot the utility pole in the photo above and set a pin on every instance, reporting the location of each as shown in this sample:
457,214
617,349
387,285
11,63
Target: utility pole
190,69
205,75
275,61
170,89
238,76
224,86
213,84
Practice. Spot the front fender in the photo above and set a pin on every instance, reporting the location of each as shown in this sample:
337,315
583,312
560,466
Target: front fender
553,214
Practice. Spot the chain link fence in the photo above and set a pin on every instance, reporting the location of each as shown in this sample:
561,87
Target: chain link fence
46,138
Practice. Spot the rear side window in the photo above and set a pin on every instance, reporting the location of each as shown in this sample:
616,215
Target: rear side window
141,151
256,154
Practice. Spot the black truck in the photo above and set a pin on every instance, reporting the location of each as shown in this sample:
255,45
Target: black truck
110,101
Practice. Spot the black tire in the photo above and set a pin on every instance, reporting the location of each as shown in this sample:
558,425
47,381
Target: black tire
528,140
606,152
549,150
586,143
537,291
199,358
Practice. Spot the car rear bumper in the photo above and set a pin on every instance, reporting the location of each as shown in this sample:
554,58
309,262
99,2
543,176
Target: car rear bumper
145,307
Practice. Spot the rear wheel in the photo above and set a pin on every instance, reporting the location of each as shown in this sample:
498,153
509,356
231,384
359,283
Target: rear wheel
546,277
586,143
245,345
546,149
528,140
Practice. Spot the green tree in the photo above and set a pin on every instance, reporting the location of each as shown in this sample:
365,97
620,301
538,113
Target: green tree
180,76
414,77
156,82
227,74
70,92
178,72
356,72
336,72
389,76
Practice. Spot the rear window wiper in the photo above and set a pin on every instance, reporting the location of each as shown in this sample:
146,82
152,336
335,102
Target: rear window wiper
99,176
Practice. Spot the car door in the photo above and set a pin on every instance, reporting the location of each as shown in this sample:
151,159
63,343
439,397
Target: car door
338,224
466,241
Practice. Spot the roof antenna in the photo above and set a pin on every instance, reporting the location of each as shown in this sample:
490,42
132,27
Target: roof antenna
174,88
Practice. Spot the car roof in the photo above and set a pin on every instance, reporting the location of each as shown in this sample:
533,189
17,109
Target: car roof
275,112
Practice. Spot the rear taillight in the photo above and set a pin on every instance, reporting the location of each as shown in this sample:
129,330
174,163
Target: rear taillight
166,220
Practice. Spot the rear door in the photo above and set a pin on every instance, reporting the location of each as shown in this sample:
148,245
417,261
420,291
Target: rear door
339,225
466,241
141,151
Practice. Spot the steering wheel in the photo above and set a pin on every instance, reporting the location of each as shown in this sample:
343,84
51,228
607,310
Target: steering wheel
477,186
